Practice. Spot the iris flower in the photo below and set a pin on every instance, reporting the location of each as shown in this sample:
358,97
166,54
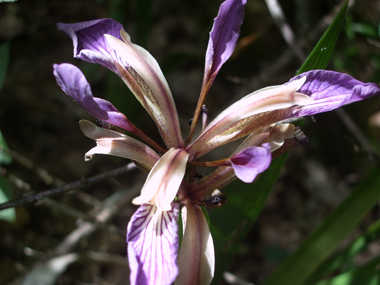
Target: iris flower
172,184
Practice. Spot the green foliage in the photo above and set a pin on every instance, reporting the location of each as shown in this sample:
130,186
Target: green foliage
321,54
5,188
4,157
367,274
344,258
234,220
8,215
231,223
327,236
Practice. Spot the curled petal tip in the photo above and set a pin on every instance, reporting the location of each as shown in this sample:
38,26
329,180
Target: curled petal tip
251,161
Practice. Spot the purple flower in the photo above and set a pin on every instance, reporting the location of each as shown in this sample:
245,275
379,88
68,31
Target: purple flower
170,187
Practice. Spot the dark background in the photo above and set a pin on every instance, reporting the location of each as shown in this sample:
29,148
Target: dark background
40,123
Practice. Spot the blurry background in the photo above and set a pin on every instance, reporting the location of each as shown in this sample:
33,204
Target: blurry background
40,123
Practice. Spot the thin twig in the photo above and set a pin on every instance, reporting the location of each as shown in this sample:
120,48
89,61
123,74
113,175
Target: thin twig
359,136
68,187
27,163
109,208
285,29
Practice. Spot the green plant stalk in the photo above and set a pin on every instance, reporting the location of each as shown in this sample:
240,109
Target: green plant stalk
321,54
346,255
327,236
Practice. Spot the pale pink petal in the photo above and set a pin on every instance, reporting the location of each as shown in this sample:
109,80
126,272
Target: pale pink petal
115,143
196,260
264,100
164,179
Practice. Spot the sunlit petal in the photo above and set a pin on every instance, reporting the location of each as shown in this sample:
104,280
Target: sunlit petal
152,238
331,90
223,37
89,42
196,260
164,179
115,143
157,98
264,100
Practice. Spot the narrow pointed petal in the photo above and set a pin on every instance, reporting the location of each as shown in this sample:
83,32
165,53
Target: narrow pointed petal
105,42
157,98
331,90
219,131
164,179
196,260
115,143
251,161
73,83
152,238
223,37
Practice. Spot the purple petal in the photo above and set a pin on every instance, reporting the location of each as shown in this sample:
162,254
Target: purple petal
331,90
73,83
106,43
152,237
89,41
223,36
251,161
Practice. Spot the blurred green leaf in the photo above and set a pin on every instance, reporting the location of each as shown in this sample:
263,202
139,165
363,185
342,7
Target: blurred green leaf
368,274
320,56
327,236
364,29
4,61
231,223
346,255
4,158
6,195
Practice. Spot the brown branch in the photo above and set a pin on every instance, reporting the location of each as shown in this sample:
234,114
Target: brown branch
68,187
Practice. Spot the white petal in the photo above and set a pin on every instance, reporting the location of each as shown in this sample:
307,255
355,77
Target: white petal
156,98
114,143
196,259
164,179
264,100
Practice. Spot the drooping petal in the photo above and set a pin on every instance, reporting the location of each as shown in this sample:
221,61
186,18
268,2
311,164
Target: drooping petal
164,179
331,90
73,82
89,41
105,42
152,238
219,131
196,259
115,143
251,161
223,37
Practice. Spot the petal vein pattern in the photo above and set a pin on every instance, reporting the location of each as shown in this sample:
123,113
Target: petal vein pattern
152,245
164,180
264,100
